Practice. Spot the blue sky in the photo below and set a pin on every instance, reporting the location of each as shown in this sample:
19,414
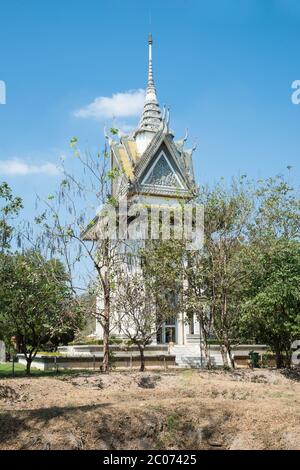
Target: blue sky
224,67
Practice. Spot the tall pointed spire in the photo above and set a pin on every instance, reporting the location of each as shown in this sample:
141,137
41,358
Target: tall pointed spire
151,118
150,86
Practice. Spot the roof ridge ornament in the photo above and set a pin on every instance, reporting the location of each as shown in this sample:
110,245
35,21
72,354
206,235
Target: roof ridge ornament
168,119
186,135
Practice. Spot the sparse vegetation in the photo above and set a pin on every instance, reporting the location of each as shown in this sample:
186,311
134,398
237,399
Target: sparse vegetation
241,409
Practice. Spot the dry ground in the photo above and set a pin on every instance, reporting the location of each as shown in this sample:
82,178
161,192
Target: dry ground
155,410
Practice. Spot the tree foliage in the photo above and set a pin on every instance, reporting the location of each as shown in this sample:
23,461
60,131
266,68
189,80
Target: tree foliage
35,302
10,207
271,308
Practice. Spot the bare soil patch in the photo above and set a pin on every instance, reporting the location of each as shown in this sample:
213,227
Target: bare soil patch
187,409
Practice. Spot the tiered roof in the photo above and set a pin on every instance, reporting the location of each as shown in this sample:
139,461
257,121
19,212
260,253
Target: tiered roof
149,143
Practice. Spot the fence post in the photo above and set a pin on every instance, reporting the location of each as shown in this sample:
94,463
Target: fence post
94,361
13,366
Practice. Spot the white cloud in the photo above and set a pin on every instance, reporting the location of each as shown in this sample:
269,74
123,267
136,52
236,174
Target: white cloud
128,104
16,166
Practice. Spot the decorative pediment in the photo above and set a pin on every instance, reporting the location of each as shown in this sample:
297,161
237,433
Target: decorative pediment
162,169
161,173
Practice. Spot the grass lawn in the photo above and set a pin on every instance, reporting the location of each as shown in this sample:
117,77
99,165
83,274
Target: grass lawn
6,371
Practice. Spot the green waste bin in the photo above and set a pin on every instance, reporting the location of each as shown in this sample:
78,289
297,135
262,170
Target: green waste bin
254,358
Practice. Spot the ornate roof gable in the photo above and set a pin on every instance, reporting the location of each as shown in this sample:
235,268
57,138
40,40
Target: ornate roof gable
140,152
162,173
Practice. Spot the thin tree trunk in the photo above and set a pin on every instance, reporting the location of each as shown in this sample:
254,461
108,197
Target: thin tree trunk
278,357
106,327
204,339
288,360
28,365
142,358
106,315
224,355
206,351
230,361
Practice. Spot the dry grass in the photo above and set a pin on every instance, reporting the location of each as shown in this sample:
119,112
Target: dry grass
156,410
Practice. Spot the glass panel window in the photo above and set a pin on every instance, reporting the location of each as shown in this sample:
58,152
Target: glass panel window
167,333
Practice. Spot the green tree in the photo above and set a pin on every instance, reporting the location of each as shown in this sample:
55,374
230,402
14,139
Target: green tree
215,274
9,208
271,260
277,212
72,231
139,310
271,309
35,302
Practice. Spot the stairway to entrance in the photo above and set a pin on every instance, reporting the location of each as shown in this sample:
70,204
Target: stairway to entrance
188,355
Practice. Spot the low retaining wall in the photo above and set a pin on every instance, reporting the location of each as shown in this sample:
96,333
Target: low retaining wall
94,362
91,349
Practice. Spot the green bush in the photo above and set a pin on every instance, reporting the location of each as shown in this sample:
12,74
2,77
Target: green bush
47,353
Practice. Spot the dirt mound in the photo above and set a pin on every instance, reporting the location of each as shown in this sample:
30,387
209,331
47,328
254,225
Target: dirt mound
263,376
110,429
291,374
117,381
185,409
148,381
8,393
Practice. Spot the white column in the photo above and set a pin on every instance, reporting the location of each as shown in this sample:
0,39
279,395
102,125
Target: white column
180,329
196,325
186,330
154,339
99,330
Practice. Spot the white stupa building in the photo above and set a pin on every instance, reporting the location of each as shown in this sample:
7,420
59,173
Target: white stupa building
157,170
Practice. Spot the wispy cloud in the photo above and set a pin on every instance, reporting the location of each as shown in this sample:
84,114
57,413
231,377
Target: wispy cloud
128,104
16,166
